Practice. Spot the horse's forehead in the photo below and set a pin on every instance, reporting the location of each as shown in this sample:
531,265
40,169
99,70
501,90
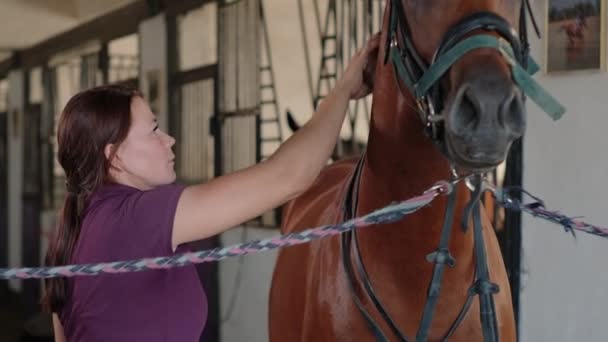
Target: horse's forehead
423,6
430,19
431,14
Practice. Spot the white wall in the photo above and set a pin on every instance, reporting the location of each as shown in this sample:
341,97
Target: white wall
564,296
244,303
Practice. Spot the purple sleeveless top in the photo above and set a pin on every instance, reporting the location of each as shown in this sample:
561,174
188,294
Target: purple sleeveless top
123,223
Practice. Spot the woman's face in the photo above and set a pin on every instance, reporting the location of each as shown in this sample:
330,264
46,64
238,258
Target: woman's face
145,159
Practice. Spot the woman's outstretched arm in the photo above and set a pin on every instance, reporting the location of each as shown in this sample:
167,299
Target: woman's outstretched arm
207,209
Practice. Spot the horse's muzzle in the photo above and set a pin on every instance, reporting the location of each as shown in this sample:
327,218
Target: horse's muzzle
485,116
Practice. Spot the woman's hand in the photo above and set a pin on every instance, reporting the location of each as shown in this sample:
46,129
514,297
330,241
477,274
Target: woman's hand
352,81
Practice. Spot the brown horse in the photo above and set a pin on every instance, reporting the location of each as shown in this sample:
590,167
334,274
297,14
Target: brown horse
311,299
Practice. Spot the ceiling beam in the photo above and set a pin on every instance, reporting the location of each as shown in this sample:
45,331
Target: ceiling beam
64,8
118,23
115,24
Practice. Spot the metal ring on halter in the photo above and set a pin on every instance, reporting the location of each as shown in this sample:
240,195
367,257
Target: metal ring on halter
469,184
453,171
442,187
488,186
429,103
394,42
430,116
421,106
455,174
431,110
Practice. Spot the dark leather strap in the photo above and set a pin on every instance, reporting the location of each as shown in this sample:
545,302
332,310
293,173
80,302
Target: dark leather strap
462,314
348,267
523,34
482,286
350,204
350,243
440,258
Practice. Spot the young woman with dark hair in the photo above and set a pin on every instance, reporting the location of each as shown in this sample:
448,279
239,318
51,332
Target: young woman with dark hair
122,203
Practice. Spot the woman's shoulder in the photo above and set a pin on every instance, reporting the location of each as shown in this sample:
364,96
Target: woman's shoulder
110,189
116,195
123,201
127,222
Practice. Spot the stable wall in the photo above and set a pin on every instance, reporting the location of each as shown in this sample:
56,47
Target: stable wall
563,294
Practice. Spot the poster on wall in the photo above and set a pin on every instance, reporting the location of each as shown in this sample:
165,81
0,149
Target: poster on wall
574,37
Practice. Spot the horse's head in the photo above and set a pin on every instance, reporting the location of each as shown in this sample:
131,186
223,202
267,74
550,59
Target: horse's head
470,103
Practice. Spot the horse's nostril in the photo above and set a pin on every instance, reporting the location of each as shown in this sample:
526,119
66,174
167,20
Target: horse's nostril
468,113
512,114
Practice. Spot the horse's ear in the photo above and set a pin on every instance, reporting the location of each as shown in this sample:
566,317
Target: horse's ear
291,121
369,73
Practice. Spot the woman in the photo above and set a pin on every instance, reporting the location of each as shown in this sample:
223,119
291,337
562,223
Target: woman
122,204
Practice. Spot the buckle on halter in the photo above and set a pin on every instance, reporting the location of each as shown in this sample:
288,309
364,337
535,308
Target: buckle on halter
420,105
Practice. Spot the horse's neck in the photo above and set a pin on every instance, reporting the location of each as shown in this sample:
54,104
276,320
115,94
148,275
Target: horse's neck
401,159
401,163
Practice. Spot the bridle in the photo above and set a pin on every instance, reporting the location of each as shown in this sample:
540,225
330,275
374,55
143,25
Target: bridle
422,81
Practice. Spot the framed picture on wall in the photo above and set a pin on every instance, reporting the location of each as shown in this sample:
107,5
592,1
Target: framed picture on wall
574,37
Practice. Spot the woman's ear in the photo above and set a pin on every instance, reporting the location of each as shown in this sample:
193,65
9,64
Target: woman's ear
108,151
111,154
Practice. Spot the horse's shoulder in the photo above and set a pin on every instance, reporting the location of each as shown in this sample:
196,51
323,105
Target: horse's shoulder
321,198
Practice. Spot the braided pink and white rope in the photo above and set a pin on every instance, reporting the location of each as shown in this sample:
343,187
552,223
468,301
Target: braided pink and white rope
385,215
537,209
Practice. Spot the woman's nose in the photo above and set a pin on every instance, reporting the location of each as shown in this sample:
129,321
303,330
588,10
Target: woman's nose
169,139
